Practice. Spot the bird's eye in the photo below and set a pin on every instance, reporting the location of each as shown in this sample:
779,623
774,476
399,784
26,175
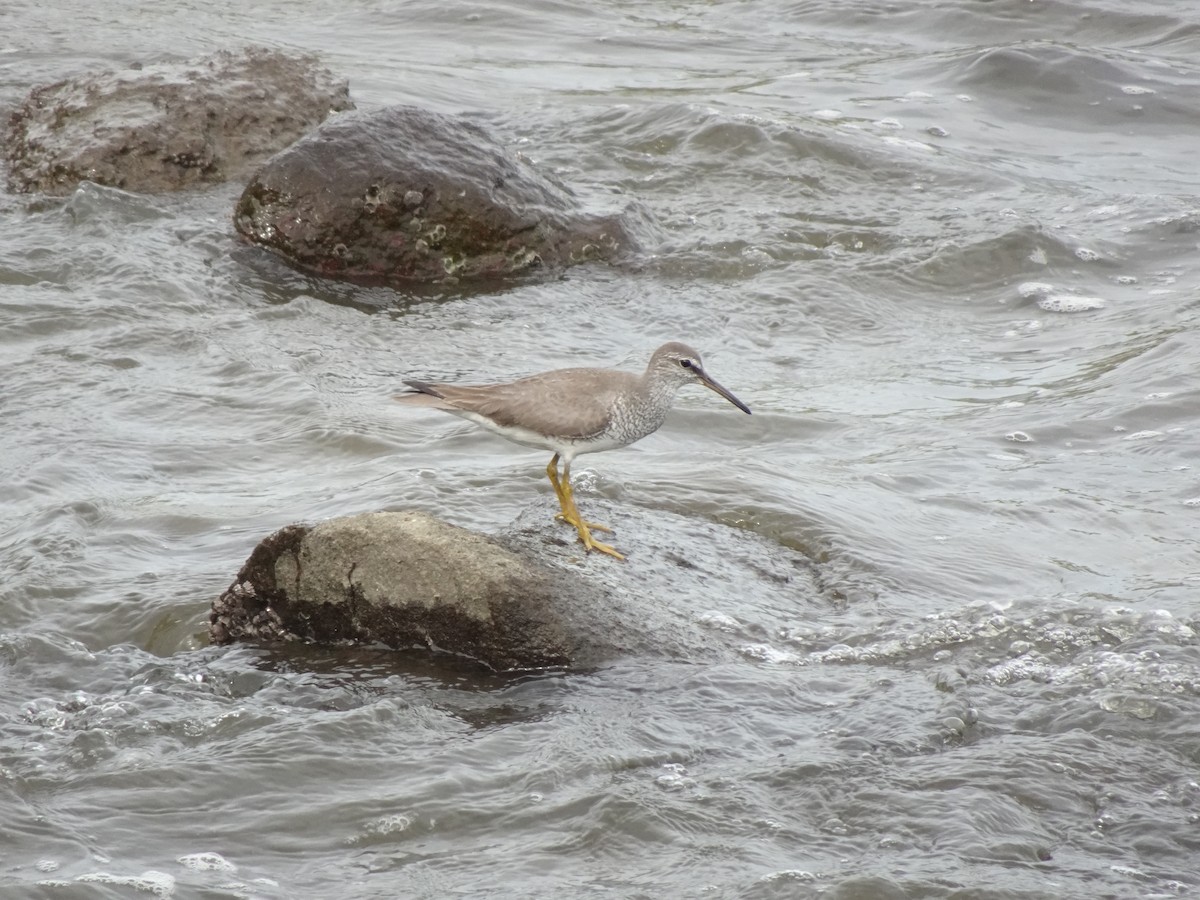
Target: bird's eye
686,363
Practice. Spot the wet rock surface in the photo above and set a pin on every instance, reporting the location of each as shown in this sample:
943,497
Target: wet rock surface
406,194
530,599
406,580
670,597
168,126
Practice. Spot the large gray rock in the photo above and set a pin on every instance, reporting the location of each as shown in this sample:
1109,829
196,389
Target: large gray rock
404,194
691,589
170,125
406,580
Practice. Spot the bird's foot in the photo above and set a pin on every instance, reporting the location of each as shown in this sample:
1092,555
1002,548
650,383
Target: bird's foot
590,543
574,523
585,534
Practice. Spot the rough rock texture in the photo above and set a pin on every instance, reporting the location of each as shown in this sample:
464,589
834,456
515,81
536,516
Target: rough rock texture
407,194
168,126
691,590
403,579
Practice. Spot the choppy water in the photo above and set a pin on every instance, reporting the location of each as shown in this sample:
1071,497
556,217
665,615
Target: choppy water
947,251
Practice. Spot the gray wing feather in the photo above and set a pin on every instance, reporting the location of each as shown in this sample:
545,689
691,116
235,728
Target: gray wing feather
566,403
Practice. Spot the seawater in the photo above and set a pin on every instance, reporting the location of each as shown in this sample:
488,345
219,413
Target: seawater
947,252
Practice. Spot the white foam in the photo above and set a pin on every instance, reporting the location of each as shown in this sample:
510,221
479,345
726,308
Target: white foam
391,824
1034,289
764,653
207,862
1069,303
160,884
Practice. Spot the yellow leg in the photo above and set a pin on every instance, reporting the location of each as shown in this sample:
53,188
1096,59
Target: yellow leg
566,500
570,513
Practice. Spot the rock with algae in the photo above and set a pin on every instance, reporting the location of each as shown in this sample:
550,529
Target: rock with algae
170,125
405,194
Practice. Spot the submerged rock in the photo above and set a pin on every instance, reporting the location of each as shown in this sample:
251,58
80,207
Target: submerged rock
691,590
408,194
169,125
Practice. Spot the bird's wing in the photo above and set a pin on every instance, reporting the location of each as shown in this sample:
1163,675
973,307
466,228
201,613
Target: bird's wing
566,403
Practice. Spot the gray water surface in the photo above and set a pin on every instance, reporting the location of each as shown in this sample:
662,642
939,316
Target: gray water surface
947,251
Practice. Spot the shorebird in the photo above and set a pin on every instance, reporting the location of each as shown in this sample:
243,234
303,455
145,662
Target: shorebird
575,411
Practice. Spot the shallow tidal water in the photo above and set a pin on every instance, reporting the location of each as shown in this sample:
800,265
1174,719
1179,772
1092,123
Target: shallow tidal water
947,252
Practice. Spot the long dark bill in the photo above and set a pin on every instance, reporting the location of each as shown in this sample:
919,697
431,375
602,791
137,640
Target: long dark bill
713,385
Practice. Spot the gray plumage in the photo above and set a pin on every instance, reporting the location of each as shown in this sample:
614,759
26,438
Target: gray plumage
573,411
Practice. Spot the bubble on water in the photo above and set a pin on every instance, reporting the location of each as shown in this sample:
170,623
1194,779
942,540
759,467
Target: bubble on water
965,98
893,124
763,653
46,865
392,824
835,653
757,256
1136,89
207,862
1034,289
1126,279
1139,707
586,480
788,875
937,131
917,95
1192,501
828,114
160,884
1069,303
676,778
1019,436
834,825
1086,255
